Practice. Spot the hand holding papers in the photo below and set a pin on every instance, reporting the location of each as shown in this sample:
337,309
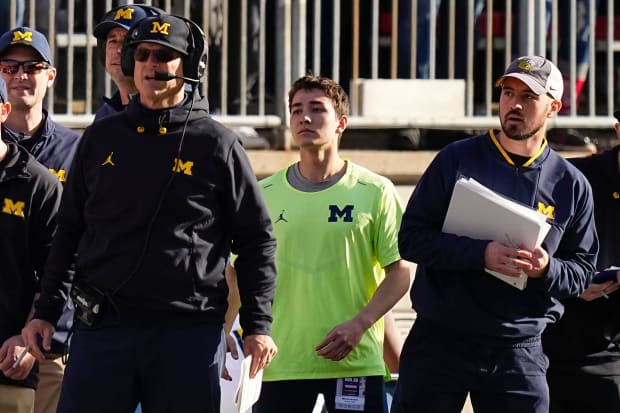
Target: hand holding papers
477,212
248,391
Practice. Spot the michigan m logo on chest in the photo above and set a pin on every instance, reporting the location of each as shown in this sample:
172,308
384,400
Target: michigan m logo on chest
11,207
345,214
548,210
181,167
60,174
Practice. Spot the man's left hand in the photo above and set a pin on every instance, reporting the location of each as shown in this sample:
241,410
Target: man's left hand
262,349
540,263
10,351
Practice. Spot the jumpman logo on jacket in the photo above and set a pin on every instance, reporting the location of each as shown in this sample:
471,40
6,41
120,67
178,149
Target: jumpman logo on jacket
281,217
108,160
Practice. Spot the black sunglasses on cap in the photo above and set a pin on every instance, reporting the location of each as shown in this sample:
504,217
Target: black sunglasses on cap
31,67
160,55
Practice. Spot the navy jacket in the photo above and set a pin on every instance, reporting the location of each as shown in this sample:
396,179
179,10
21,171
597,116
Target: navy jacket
29,200
154,224
587,337
53,145
110,107
451,287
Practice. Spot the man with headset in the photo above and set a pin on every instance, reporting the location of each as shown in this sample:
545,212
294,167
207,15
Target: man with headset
159,196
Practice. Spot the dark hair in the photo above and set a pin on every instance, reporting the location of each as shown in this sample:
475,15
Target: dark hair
331,88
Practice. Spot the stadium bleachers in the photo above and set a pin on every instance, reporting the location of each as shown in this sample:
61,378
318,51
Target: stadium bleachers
258,47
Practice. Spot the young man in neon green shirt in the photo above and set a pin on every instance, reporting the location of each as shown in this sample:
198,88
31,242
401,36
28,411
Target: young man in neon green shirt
339,269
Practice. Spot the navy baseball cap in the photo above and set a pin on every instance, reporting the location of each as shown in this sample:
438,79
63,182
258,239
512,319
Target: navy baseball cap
166,30
538,73
26,36
124,17
3,95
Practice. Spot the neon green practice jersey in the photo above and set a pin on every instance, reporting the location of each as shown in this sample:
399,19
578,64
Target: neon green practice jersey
332,247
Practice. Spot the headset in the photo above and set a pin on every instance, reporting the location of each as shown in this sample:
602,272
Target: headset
117,17
194,64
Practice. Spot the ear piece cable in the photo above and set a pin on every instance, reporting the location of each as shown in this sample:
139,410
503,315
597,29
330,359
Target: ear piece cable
160,202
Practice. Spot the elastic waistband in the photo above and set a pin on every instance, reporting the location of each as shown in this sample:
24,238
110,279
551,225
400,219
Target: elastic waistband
495,341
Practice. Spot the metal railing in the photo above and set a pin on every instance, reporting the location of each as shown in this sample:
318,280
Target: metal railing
257,47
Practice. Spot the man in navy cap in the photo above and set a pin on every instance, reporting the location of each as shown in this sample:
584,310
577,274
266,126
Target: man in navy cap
110,34
159,196
26,67
29,200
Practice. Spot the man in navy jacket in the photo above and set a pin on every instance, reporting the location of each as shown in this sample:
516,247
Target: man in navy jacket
475,333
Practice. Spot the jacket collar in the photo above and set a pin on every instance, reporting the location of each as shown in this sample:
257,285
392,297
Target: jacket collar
42,134
531,162
115,102
162,121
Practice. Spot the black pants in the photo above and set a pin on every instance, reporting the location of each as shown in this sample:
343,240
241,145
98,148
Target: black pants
439,367
579,392
299,396
166,369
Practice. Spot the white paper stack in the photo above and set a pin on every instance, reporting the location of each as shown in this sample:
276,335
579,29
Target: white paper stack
477,212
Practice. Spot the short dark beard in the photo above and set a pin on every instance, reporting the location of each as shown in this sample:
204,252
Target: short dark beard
513,132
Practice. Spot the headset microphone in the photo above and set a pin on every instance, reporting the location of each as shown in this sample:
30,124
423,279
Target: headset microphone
164,76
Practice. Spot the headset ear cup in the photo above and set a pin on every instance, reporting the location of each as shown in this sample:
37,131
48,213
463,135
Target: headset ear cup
202,60
197,58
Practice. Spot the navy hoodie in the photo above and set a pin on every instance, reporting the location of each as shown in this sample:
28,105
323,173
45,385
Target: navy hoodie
29,200
154,227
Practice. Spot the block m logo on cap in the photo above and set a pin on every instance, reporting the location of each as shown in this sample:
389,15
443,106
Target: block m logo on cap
160,28
22,36
125,14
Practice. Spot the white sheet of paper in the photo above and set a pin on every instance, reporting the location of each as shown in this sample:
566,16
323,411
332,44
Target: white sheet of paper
248,391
